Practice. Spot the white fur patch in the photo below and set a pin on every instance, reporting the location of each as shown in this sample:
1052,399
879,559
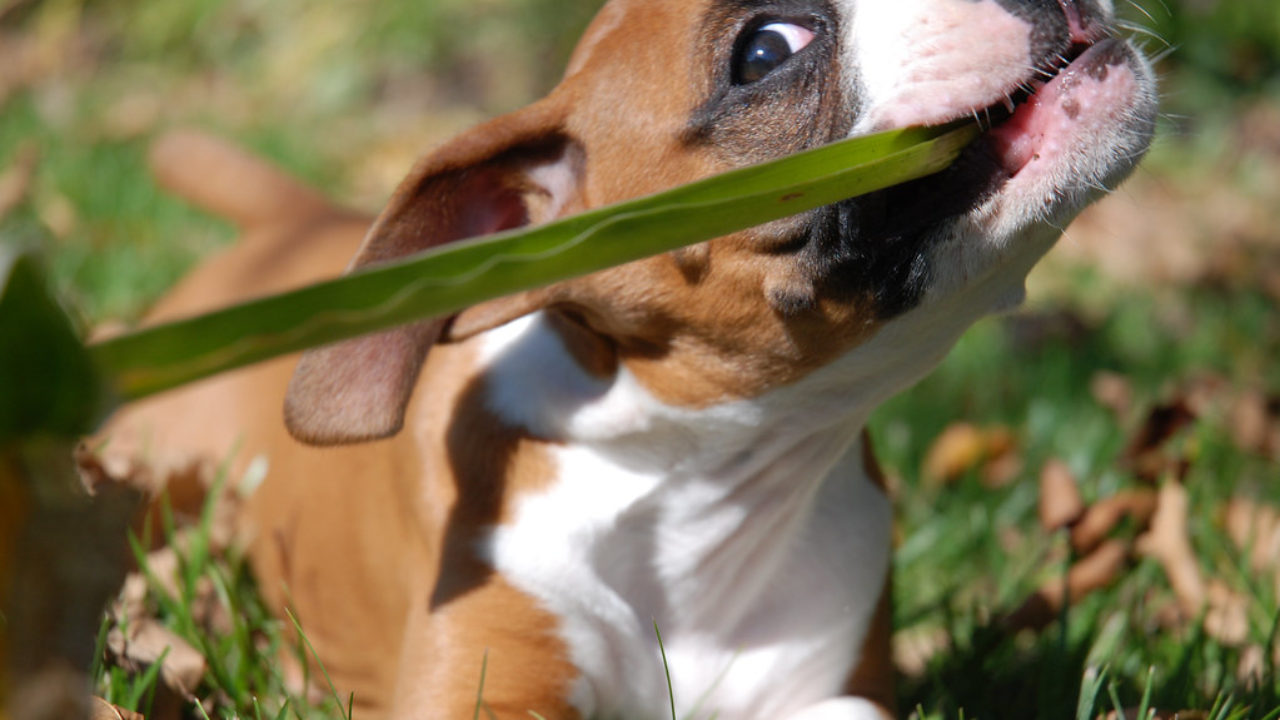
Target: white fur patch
924,62
760,552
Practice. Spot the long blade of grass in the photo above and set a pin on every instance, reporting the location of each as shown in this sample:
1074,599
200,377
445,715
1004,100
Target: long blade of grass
462,274
1144,707
1090,685
484,670
671,690
297,626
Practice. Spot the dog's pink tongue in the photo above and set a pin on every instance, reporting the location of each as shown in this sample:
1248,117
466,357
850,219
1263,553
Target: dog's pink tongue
1069,104
1017,140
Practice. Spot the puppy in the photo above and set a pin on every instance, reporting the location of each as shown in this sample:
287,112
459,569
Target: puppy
677,441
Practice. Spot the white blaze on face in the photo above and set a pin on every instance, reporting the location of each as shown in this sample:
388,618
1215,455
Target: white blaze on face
922,62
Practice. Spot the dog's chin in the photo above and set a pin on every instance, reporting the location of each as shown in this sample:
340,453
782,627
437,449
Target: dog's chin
1043,156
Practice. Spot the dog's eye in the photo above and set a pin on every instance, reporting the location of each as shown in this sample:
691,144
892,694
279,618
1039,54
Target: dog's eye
767,48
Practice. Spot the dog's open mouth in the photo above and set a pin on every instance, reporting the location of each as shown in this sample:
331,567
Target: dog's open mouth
1028,125
1034,126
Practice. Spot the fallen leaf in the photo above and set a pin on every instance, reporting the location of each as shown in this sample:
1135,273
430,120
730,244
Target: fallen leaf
1249,421
963,447
132,116
915,647
1169,544
1254,528
1144,456
959,448
1101,518
146,641
1002,469
1060,502
58,214
1252,669
1098,570
1112,391
103,710
15,181
1227,617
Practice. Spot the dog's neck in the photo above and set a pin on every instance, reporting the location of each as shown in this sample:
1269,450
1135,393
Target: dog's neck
535,382
705,472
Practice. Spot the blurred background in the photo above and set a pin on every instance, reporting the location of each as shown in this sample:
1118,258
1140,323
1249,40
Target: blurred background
1147,355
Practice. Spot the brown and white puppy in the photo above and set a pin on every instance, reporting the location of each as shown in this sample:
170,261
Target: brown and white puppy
677,440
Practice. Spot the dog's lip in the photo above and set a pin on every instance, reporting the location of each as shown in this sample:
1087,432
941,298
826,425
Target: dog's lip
1012,140
1017,131
1029,89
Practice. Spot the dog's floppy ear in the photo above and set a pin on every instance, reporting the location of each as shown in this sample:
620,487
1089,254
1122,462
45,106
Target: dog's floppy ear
509,172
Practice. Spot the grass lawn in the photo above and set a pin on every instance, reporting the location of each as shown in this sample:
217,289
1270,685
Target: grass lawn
1152,372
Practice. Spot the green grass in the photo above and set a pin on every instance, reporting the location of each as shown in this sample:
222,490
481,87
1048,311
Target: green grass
953,571
243,678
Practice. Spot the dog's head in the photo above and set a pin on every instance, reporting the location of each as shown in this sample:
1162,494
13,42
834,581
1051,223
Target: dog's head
663,92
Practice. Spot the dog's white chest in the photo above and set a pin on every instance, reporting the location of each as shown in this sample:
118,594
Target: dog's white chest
761,575
762,611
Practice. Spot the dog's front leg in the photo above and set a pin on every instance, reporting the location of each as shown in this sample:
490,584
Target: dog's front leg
844,708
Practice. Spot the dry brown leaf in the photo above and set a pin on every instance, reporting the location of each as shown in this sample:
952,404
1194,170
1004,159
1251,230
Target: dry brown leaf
1002,469
915,647
132,116
180,485
1101,518
1227,617
1205,392
963,447
1250,422
959,448
146,641
1060,502
58,214
1254,528
1145,455
15,180
103,710
1112,391
1252,669
1099,569
1169,544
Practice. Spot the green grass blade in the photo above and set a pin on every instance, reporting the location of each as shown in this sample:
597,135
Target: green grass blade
484,669
1090,686
145,683
1144,707
297,626
461,274
671,690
